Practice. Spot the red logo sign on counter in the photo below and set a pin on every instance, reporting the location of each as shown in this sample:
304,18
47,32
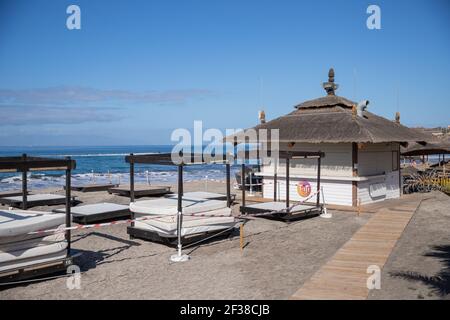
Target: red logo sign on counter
303,188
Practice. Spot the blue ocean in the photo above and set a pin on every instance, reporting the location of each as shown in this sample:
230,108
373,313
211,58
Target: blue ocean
103,165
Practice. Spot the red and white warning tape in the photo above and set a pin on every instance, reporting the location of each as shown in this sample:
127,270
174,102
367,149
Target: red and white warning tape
152,217
95,225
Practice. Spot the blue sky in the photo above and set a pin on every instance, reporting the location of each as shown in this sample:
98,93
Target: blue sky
138,69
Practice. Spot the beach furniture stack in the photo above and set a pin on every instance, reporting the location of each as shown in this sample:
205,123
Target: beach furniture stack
90,213
199,216
33,200
20,250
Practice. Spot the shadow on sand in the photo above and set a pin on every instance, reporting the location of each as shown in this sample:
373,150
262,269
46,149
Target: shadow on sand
440,282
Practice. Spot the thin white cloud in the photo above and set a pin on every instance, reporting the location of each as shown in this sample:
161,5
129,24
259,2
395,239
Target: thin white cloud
17,115
72,95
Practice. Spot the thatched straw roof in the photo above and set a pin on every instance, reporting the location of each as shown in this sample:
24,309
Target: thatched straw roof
333,119
434,145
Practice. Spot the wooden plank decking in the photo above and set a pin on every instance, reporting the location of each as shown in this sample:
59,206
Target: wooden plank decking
345,275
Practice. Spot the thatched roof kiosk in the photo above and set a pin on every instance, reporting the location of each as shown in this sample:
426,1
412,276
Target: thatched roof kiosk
362,149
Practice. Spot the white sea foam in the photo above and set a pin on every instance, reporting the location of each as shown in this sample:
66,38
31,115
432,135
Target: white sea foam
97,154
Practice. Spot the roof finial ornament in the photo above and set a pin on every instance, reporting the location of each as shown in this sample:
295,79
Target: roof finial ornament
330,86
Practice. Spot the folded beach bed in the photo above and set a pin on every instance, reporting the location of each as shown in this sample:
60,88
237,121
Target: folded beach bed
200,217
21,252
277,209
90,213
203,195
140,190
93,187
11,193
33,200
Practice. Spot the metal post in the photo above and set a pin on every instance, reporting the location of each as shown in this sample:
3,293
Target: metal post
181,184
132,187
68,204
131,178
180,206
243,183
287,181
228,169
24,183
318,180
443,164
179,257
275,180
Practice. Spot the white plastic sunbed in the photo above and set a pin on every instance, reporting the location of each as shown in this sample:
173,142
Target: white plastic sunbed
43,199
19,249
217,216
15,224
96,212
167,226
169,206
279,206
203,195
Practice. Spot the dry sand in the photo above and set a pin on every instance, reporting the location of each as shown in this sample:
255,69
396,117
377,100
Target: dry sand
277,260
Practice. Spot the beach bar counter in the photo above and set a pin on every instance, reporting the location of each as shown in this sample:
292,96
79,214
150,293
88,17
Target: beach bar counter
362,151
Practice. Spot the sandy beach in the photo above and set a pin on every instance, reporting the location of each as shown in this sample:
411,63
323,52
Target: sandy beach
278,258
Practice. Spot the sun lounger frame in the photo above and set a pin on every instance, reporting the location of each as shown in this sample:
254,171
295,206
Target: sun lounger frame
34,203
99,217
153,236
166,159
126,192
287,214
94,187
36,270
24,164
7,194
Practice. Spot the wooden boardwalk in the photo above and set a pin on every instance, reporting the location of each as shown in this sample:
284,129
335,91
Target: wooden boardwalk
345,275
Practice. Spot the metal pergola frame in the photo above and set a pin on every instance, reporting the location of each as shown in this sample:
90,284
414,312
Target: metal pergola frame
287,156
166,159
24,164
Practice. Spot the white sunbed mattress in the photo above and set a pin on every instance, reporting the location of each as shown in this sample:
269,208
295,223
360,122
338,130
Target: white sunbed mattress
32,252
36,197
168,206
200,195
167,226
16,224
279,206
19,249
42,240
9,261
93,209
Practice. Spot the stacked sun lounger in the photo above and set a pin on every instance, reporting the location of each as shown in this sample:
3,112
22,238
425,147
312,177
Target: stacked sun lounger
19,249
199,216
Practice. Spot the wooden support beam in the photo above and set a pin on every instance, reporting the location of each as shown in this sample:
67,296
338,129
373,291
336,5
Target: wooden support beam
319,164
68,205
228,174
355,174
24,185
287,182
243,182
